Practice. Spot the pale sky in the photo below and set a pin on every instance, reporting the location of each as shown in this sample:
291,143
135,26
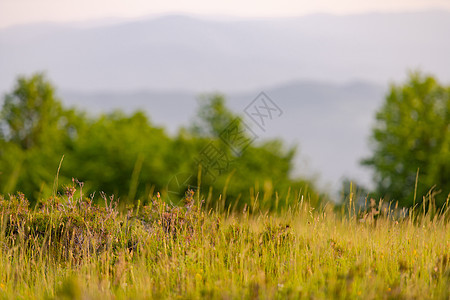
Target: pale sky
13,12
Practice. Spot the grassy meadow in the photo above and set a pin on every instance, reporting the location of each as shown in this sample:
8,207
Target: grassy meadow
69,247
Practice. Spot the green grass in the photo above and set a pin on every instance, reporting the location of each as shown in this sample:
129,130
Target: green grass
69,248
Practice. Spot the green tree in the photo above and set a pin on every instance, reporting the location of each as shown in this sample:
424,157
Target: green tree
412,133
261,169
121,155
31,112
35,132
212,116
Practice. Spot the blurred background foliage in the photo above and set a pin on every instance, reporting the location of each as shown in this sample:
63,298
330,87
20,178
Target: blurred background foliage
128,156
411,140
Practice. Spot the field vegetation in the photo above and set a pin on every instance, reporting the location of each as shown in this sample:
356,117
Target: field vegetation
68,247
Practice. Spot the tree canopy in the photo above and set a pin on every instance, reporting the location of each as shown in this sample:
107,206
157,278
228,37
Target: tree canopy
412,136
128,156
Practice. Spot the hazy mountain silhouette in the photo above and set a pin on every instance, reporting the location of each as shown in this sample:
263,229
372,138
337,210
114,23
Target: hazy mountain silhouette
179,52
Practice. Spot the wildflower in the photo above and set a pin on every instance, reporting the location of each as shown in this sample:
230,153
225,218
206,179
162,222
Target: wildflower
70,191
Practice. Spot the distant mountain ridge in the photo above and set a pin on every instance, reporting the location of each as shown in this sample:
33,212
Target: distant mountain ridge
179,52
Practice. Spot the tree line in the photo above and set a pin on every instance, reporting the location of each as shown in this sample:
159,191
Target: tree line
45,145
128,156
